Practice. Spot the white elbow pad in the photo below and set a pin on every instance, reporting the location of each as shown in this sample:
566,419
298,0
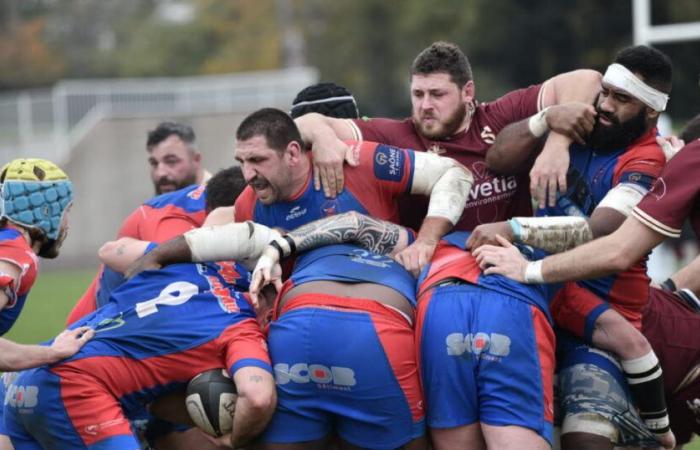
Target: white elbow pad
623,198
239,241
445,181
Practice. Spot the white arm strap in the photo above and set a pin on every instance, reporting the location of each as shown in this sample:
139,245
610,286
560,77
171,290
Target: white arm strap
239,241
445,181
623,198
553,234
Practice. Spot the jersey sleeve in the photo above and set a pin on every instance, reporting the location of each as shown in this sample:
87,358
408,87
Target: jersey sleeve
245,205
513,107
673,195
388,168
169,227
244,346
640,167
130,226
17,256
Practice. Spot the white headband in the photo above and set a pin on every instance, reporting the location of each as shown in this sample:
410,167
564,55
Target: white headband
344,98
620,77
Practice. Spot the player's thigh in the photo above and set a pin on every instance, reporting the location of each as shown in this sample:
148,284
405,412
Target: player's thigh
468,437
513,438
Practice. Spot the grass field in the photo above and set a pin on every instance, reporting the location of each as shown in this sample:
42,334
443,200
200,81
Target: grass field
48,305
52,298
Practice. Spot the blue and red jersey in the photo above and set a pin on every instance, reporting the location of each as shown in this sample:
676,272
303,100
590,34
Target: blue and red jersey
591,175
451,260
352,264
383,175
163,327
158,220
15,249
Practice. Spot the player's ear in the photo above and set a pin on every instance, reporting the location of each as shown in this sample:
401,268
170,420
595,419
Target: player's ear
651,114
294,151
468,91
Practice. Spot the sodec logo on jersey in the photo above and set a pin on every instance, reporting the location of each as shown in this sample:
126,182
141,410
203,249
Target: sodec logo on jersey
22,396
326,377
492,346
388,163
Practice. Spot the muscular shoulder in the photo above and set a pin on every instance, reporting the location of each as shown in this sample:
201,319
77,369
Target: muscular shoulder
245,205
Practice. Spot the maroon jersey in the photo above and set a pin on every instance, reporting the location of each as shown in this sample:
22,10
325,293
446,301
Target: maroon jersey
675,195
492,197
672,330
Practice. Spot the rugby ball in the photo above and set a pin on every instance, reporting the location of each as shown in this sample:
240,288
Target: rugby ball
211,401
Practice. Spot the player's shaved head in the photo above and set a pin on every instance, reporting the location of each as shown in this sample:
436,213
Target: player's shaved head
276,126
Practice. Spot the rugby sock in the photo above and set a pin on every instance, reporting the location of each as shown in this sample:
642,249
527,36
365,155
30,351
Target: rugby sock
645,379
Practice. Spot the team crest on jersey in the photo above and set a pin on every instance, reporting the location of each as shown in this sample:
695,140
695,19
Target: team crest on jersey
196,194
487,135
329,208
388,163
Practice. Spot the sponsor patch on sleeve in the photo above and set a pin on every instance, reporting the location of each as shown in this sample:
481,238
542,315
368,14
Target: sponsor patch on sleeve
639,178
389,163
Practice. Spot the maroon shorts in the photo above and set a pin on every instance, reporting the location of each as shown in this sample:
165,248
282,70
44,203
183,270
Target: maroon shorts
673,330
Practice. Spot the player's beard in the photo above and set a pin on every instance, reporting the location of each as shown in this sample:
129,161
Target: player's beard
619,135
444,128
165,184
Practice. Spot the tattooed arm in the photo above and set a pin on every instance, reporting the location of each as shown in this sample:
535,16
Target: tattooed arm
375,235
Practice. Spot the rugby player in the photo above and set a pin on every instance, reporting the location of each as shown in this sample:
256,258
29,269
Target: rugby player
446,119
607,178
280,191
476,336
159,219
35,198
158,331
174,160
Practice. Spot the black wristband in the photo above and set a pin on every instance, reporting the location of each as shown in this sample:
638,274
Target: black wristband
292,245
277,247
669,285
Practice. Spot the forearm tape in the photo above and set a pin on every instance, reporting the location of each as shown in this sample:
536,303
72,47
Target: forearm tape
445,181
238,241
553,234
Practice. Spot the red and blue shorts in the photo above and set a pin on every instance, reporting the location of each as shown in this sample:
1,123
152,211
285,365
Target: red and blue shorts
485,357
344,365
45,410
576,309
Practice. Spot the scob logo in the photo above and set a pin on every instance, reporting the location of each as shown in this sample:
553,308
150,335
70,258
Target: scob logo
326,377
22,396
482,345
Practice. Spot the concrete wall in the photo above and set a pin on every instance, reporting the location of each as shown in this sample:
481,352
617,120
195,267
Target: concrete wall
111,176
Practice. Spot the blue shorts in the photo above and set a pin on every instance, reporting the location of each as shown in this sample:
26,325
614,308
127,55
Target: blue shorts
5,380
36,417
591,384
485,357
352,371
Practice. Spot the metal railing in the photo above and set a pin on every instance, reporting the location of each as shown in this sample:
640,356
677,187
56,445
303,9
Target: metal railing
46,123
